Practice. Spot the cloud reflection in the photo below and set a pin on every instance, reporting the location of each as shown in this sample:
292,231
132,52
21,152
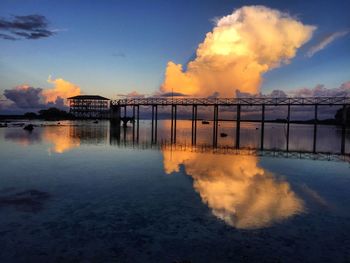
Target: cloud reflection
61,139
236,189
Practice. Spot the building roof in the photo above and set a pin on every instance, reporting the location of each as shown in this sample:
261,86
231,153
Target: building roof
87,97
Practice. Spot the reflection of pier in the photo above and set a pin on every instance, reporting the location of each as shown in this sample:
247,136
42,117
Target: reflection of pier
238,103
168,146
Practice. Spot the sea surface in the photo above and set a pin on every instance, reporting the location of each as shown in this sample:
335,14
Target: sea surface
79,191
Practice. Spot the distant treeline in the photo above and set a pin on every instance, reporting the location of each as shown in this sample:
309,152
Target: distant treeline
48,114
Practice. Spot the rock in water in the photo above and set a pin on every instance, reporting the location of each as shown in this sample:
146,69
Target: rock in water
29,127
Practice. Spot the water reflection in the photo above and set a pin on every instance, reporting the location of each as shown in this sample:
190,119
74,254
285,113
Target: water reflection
21,137
61,138
236,189
95,177
70,135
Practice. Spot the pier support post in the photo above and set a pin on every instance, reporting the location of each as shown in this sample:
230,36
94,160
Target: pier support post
133,123
192,131
156,124
214,121
288,124
175,119
115,113
194,124
138,123
238,125
343,130
114,132
173,123
215,125
124,134
315,130
152,129
262,127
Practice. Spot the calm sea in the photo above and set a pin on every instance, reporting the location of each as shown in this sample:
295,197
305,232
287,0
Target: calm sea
80,191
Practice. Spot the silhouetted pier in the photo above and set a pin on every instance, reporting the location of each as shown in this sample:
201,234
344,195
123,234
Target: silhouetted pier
239,103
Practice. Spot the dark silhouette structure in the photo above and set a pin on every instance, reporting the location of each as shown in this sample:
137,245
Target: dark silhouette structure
339,116
89,106
238,103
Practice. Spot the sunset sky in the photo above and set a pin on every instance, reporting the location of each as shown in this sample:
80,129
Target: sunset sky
118,47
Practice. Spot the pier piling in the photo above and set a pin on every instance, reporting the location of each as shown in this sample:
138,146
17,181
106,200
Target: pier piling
315,130
262,127
343,130
288,127
238,125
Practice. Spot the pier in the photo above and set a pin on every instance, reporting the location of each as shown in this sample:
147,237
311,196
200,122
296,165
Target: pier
238,105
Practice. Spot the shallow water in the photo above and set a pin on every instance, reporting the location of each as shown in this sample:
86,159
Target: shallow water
84,192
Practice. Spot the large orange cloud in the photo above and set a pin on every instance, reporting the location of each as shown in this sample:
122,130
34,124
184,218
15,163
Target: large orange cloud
241,47
62,90
236,189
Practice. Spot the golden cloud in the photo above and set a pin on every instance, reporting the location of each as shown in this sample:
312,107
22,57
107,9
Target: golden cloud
236,189
241,47
62,89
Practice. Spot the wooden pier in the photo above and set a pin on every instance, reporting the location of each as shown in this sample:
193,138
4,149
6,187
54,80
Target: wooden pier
238,103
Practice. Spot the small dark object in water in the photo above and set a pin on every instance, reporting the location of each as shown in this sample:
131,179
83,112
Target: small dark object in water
96,121
205,122
3,125
28,127
28,201
223,134
58,123
256,128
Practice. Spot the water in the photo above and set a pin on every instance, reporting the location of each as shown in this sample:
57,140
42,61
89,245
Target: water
83,192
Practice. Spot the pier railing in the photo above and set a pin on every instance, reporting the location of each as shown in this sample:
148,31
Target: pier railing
204,148
251,101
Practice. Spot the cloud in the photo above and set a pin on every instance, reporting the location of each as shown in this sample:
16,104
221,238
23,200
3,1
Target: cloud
345,87
321,91
325,42
133,94
318,91
25,27
272,94
7,37
62,90
173,94
236,189
241,47
25,97
277,94
59,140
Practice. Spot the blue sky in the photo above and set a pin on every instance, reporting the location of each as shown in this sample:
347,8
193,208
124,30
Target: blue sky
114,47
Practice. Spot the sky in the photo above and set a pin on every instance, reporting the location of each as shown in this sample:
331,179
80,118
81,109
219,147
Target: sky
113,48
